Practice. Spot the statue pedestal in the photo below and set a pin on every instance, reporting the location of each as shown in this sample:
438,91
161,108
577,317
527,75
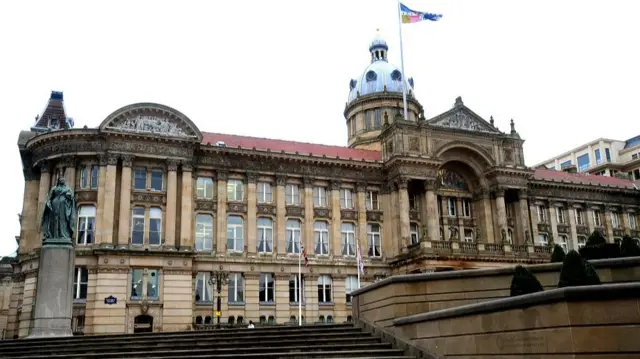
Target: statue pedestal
54,296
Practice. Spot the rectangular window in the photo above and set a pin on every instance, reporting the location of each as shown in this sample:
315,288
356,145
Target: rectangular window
267,288
607,154
634,156
560,214
565,164
292,195
348,232
579,217
598,157
377,118
157,179
236,288
374,240
145,283
582,241
319,197
324,289
350,284
235,190
293,234
541,211
451,206
632,221
204,188
321,234
414,203
140,178
86,225
367,119
84,177
415,234
543,239
94,177
153,284
204,289
583,162
346,199
466,207
564,243
235,234
265,192
155,226
265,235
615,219
468,235
296,289
137,225
597,220
80,283
204,232
372,201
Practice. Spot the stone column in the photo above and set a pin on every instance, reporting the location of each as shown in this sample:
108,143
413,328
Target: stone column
252,290
282,297
502,213
432,221
533,214
590,221
308,237
524,222
252,210
186,212
336,223
571,212
29,221
624,213
102,173
281,213
124,222
362,218
172,205
388,232
109,201
403,196
553,221
221,213
69,164
609,222
43,192
460,218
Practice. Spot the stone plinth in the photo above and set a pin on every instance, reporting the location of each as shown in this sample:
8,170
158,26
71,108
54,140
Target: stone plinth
54,300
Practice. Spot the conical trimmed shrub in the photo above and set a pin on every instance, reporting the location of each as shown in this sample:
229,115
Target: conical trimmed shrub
629,247
558,254
576,272
524,282
596,239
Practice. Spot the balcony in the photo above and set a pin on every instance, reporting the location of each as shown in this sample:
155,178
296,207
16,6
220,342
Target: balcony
473,251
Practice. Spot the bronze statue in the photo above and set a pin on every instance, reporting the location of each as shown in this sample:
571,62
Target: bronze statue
59,215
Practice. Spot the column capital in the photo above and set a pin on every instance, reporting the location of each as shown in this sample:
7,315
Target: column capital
127,160
222,175
44,167
172,164
112,159
335,185
68,161
523,193
252,177
187,166
102,159
481,193
386,188
402,182
281,179
430,184
308,181
498,191
361,187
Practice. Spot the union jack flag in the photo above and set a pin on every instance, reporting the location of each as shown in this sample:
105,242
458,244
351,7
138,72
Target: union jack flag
360,262
304,255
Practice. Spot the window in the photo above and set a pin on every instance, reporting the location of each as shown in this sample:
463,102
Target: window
156,179
543,239
415,234
144,283
468,235
324,289
579,217
372,201
265,192
292,195
155,226
267,288
597,219
348,232
607,154
598,157
510,235
377,117
321,234
466,207
296,289
563,242
541,211
204,232
615,219
235,190
89,177
137,225
140,178
204,290
374,239
204,188
414,203
346,199
80,283
236,289
583,162
265,235
235,234
632,220
582,241
565,164
451,206
293,236
86,225
350,284
319,197
84,177
560,214
367,120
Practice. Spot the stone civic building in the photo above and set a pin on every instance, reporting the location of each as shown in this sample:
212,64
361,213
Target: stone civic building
162,205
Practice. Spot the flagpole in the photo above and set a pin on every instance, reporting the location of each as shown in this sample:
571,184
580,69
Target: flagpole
358,264
404,80
300,286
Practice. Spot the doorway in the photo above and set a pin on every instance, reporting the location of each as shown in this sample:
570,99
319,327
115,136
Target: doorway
143,324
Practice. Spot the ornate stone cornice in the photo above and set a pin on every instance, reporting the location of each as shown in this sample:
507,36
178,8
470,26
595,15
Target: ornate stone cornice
252,177
172,164
127,160
113,270
281,179
523,193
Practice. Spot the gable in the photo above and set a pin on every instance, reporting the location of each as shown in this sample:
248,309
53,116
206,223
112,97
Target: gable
151,119
461,118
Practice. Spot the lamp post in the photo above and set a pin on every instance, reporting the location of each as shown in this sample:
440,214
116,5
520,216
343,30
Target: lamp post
219,278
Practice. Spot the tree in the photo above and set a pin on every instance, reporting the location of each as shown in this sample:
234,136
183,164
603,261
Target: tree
629,247
558,254
524,282
576,272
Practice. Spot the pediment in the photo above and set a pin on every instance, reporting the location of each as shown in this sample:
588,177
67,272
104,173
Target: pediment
151,119
461,118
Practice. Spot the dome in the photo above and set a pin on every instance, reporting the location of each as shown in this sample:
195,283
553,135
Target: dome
380,75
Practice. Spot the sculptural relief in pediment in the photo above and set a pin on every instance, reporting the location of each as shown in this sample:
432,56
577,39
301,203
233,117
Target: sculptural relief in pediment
150,124
461,120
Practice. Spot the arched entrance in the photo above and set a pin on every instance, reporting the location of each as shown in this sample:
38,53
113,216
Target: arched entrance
143,324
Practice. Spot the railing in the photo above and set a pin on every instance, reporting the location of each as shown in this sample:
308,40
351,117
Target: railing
506,250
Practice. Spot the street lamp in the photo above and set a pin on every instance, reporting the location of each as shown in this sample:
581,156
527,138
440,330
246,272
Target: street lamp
219,278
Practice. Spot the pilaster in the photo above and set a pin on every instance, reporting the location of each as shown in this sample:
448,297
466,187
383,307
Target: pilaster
109,201
102,173
172,205
336,223
572,226
186,212
533,214
281,213
553,221
502,213
609,222
69,164
403,196
362,217
387,216
591,225
30,223
524,223
432,222
252,209
124,221
308,236
282,297
43,192
221,213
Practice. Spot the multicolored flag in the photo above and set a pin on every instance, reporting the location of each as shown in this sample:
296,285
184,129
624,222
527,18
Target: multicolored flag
360,262
304,255
410,16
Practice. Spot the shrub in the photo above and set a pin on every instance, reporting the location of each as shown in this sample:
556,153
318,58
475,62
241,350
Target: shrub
598,248
596,238
629,247
576,272
524,282
558,254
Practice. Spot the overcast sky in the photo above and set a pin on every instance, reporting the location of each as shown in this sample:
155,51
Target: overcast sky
566,71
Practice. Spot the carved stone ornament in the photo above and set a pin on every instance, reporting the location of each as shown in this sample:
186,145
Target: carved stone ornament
187,166
414,215
308,181
374,216
336,185
414,144
563,228
207,206
281,180
322,212
151,125
252,177
295,211
86,196
153,148
127,160
112,159
66,146
222,175
155,198
402,182
69,161
544,227
44,166
102,159
172,164
266,209
460,120
233,207
348,214
361,187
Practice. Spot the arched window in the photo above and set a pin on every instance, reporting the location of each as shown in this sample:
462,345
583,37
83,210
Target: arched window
263,320
329,318
293,236
321,234
207,319
231,320
198,320
271,320
235,234
204,232
86,225
240,320
265,235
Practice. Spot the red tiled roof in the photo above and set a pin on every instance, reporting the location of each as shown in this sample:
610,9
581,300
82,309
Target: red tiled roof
302,148
578,178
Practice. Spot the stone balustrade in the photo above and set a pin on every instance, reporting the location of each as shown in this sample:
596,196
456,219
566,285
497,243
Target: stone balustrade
486,249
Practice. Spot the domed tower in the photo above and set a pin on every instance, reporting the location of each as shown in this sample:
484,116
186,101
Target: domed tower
375,98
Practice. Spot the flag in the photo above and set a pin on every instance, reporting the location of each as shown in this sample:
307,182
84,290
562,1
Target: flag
304,255
360,262
410,16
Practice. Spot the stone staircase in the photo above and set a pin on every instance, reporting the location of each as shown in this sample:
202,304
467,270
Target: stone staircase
308,341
